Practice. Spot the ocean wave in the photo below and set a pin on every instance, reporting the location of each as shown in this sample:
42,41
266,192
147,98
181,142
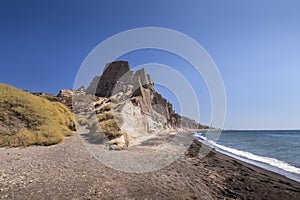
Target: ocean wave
244,154
284,136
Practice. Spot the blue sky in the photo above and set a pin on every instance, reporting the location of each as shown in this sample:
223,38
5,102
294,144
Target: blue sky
255,44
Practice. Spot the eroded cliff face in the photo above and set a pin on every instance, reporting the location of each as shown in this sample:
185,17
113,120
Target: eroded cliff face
143,110
121,105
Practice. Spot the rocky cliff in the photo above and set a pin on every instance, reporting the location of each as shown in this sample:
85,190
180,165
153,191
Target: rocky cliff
133,97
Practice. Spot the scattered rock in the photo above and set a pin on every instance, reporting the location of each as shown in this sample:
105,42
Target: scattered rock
65,93
117,143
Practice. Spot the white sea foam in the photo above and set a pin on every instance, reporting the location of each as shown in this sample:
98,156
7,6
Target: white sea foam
266,160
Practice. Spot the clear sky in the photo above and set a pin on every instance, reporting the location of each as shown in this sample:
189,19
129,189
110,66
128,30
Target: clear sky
255,44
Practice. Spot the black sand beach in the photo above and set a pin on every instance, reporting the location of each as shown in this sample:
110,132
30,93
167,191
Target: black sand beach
67,171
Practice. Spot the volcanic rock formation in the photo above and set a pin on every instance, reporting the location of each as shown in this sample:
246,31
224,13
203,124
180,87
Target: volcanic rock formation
120,82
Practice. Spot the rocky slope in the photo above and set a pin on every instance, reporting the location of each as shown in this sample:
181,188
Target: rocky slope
121,105
119,82
131,104
64,97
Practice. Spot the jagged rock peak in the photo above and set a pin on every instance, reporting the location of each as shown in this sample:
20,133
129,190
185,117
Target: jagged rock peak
112,73
117,77
119,82
127,107
118,67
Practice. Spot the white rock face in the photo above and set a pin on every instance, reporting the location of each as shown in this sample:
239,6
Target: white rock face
137,124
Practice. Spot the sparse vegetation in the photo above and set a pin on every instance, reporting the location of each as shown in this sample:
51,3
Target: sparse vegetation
107,121
105,116
26,119
110,128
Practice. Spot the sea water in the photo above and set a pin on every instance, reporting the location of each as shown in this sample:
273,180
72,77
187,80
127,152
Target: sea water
277,151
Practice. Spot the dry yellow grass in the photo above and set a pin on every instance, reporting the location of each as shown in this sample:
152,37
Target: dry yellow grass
26,119
107,121
110,128
105,116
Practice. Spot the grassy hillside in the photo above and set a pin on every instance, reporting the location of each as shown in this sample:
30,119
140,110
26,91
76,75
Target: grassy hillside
26,119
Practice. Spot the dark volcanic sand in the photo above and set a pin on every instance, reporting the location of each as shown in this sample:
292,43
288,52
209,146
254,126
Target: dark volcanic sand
67,171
